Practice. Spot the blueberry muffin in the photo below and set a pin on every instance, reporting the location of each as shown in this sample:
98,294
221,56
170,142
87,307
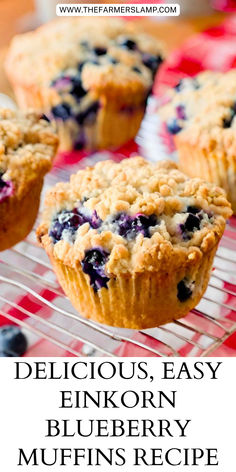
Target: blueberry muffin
133,243
92,76
27,147
201,117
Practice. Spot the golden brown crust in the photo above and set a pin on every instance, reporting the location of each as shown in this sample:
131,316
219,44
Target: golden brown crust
27,147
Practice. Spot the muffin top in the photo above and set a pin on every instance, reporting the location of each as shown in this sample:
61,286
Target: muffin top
27,147
102,54
134,216
202,110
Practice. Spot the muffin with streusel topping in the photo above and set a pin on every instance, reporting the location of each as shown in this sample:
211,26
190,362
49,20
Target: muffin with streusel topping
92,76
27,147
201,117
133,243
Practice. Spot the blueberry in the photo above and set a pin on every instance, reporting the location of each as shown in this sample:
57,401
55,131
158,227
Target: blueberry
5,354
6,188
95,221
187,83
77,89
84,44
129,226
12,341
93,264
180,112
3,183
80,142
136,69
152,62
128,44
184,291
173,126
45,117
178,87
88,116
62,111
99,51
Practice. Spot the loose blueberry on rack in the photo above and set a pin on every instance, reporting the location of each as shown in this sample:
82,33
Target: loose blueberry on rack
93,264
129,226
13,342
62,111
184,290
70,221
128,44
173,126
6,188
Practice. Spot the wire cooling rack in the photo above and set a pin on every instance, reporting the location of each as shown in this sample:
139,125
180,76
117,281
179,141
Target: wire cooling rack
31,297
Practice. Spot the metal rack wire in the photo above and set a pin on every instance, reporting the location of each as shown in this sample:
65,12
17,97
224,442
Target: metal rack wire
31,296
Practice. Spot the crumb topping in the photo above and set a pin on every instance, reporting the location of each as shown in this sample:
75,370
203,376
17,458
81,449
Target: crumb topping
138,213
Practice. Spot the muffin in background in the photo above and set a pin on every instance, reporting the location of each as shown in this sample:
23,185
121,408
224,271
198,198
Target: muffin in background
132,244
92,76
27,147
200,115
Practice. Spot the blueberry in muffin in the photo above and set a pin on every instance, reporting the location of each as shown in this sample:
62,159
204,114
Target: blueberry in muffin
133,243
93,86
13,342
